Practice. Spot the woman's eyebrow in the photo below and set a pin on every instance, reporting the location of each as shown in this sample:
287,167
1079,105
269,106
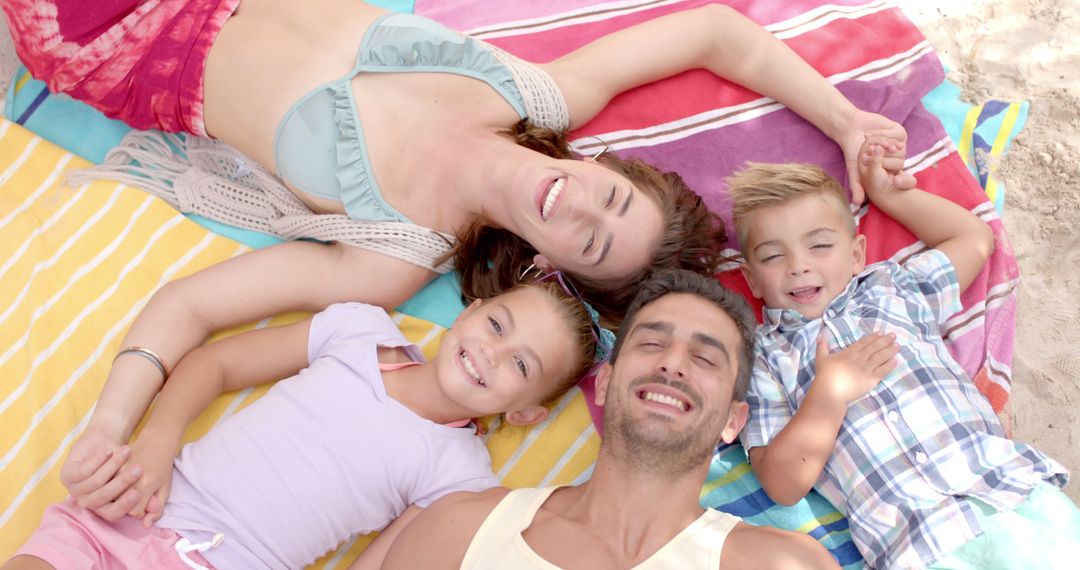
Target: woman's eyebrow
626,203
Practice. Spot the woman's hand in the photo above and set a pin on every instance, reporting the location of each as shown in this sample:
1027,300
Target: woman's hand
155,454
861,126
98,475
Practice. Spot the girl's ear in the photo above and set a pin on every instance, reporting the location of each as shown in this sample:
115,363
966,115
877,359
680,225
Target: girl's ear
542,262
527,416
600,384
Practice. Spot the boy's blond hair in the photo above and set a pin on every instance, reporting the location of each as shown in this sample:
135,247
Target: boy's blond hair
759,185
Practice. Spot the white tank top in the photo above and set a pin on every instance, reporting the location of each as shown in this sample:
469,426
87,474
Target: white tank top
499,544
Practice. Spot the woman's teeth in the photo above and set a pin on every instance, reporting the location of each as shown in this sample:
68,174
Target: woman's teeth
552,195
471,369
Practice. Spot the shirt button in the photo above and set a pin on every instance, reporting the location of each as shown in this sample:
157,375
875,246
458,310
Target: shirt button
893,416
921,458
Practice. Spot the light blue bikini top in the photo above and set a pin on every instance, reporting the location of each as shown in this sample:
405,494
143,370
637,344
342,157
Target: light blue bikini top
319,146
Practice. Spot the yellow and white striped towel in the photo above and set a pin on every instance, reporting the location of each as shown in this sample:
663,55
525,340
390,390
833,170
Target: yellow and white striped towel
77,265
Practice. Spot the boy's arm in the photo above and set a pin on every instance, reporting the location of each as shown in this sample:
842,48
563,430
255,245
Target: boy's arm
791,463
243,360
940,223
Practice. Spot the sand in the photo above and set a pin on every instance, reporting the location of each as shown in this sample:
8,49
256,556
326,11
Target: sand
1029,49
1013,50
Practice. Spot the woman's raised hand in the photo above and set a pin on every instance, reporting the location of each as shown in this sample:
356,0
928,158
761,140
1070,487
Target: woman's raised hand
861,126
96,475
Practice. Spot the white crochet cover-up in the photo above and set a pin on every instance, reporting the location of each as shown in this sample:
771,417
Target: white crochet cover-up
203,176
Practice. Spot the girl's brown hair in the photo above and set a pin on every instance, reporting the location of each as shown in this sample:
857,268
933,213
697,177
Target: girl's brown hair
490,260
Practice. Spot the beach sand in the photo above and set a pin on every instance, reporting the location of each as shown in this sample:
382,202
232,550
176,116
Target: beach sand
1013,50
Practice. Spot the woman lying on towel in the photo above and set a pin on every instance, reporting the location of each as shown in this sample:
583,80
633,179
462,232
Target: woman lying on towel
290,477
456,136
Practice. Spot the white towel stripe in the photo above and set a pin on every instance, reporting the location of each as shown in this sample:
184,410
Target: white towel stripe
45,186
70,330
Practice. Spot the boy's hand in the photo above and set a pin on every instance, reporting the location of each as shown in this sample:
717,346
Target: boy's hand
881,162
155,455
852,141
851,373
97,477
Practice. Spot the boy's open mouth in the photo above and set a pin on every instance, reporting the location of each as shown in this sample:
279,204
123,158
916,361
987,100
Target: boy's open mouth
803,294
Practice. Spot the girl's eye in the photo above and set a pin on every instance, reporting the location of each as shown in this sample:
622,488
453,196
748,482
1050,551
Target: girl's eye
610,198
589,244
769,258
521,366
495,326
822,246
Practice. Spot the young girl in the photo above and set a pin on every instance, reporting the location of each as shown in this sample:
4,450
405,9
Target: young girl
392,117
365,433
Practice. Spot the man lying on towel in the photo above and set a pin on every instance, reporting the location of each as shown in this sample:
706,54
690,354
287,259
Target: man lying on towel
673,391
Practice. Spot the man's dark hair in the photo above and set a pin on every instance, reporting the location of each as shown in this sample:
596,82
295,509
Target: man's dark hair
672,281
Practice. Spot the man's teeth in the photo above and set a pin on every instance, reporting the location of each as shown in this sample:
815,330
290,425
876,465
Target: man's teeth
470,368
664,399
552,195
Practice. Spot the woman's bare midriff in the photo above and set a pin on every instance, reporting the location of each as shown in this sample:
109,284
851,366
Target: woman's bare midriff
268,55
273,52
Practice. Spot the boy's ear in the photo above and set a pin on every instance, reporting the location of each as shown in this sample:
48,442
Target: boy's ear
749,276
858,255
542,262
737,416
527,416
600,384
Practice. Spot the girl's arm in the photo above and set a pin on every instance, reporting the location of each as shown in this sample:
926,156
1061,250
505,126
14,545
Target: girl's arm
240,361
286,277
723,41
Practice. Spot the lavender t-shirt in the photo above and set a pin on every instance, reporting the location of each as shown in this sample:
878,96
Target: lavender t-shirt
323,456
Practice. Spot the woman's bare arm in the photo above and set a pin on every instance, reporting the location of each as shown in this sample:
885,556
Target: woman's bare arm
723,41
287,277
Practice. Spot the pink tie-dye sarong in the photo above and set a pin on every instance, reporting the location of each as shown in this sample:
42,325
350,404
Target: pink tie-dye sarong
140,61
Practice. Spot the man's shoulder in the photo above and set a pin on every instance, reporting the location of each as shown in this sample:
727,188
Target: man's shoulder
440,535
749,546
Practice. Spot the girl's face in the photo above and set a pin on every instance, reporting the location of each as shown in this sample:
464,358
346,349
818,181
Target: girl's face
586,219
507,353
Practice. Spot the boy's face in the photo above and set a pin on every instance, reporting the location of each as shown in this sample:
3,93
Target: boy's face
800,254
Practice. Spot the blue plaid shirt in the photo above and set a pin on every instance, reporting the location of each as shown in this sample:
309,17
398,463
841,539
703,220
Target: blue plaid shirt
910,451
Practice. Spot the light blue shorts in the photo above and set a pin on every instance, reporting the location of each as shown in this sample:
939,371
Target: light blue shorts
1043,532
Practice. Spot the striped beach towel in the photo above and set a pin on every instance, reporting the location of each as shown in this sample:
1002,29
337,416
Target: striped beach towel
701,126
77,266
706,128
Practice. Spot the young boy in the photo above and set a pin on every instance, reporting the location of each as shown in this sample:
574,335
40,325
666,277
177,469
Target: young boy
855,394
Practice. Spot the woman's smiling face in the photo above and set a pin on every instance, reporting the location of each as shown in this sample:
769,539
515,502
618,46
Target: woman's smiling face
587,219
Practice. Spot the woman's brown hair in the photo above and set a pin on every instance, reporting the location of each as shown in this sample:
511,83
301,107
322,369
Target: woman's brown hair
490,260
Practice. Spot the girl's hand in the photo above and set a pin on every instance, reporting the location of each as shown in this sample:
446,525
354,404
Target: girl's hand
851,373
96,475
155,455
862,126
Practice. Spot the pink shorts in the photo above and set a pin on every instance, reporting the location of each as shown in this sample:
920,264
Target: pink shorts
140,61
73,538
